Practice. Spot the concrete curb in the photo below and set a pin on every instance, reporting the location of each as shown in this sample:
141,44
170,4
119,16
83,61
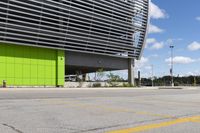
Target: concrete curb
178,88
68,89
114,88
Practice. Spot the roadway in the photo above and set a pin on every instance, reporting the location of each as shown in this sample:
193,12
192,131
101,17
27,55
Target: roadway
100,111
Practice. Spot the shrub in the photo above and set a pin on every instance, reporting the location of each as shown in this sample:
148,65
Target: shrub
113,80
96,85
127,85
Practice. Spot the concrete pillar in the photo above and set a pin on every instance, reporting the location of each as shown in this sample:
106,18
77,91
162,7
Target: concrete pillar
139,79
131,77
84,77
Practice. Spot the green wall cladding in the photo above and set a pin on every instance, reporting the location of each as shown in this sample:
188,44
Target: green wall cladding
31,66
60,67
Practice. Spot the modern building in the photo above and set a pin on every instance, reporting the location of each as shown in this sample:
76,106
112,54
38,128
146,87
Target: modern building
42,40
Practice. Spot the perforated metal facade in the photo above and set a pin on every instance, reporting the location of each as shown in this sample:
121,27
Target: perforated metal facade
107,27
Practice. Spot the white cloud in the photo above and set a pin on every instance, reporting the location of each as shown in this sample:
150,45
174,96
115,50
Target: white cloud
148,67
194,46
171,41
157,46
198,18
154,55
181,60
141,63
144,66
151,40
196,73
189,73
154,29
153,44
156,12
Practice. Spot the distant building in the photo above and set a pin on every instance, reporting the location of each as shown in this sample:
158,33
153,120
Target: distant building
42,40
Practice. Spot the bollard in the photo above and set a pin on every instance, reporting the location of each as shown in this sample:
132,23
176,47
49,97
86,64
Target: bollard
4,83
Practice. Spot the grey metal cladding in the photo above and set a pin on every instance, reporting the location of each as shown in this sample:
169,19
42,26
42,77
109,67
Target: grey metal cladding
107,27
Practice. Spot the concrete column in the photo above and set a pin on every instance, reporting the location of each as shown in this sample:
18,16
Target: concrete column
84,77
131,77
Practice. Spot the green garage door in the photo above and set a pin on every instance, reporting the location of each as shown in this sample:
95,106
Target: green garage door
31,66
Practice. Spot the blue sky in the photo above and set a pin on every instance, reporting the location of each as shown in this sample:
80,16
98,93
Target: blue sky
173,22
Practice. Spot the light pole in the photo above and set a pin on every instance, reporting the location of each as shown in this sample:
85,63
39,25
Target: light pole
172,63
152,75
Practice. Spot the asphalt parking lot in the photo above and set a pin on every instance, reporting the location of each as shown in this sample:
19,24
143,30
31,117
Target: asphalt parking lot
100,111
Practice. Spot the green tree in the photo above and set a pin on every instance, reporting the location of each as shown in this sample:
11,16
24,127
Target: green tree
113,80
100,74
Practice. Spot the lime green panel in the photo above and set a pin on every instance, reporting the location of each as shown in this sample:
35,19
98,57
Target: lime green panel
31,66
60,67
2,70
3,55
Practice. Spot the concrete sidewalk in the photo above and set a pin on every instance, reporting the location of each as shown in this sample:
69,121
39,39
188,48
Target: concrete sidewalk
101,88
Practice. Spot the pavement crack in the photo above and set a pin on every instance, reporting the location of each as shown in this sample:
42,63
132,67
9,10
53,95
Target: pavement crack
119,125
13,128
138,122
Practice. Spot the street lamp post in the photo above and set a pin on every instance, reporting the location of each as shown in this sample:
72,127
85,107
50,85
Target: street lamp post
172,63
152,75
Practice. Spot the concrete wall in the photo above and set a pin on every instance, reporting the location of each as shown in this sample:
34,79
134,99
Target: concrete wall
87,84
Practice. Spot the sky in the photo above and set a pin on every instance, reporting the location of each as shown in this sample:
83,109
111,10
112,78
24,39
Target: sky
173,22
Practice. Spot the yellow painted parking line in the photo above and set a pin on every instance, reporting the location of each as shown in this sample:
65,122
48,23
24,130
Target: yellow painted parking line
197,121
106,108
156,115
157,125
